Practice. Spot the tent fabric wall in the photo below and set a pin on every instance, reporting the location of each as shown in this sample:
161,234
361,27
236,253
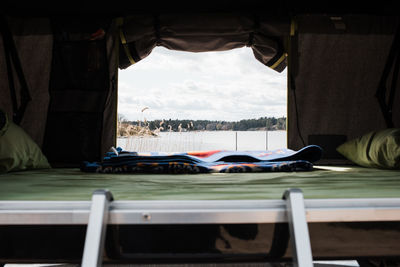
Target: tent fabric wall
34,43
204,32
71,72
82,111
335,75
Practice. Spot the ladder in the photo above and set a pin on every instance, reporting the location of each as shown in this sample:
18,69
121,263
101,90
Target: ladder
99,216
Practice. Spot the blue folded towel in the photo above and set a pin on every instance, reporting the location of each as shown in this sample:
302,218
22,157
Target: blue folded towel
120,161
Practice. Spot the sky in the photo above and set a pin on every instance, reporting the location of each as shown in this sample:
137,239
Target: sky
224,86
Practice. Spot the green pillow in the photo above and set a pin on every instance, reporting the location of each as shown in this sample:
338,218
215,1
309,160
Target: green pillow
17,149
377,149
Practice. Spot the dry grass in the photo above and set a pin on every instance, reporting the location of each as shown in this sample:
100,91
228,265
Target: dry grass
126,130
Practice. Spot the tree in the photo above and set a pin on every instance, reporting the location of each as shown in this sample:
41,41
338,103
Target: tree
269,123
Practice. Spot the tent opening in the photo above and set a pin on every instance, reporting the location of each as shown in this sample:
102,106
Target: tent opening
175,101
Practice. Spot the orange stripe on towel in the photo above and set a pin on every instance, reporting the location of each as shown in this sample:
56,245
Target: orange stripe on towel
203,154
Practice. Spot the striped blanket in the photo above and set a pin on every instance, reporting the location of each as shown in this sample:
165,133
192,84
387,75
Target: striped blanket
120,161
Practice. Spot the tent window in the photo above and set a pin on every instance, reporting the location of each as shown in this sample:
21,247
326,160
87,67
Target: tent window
204,95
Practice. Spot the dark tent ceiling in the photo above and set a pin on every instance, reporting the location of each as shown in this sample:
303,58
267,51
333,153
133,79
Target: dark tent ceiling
123,8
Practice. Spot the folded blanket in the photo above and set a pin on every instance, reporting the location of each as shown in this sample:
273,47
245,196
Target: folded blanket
119,161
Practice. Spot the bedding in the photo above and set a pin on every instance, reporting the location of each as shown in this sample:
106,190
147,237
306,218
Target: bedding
376,149
119,161
18,151
322,182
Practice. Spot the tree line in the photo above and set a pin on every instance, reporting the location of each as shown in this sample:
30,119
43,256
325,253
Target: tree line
263,123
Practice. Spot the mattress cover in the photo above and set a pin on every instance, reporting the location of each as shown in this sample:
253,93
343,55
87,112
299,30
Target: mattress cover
322,182
221,242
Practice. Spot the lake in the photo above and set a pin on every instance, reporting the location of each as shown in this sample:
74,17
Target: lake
205,140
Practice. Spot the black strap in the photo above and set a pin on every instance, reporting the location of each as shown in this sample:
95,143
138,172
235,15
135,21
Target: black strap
256,27
393,61
293,90
280,241
292,72
11,55
10,79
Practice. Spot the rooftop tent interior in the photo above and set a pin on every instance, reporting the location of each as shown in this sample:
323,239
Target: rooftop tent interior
60,73
342,80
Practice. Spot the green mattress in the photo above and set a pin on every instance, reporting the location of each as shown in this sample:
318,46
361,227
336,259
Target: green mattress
323,182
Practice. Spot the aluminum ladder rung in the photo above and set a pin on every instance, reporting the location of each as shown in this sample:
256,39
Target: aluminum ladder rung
96,229
298,228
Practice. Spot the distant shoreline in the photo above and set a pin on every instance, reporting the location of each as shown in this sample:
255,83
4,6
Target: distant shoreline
194,131
260,124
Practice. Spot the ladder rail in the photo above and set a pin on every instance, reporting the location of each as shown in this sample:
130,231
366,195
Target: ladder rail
96,229
299,234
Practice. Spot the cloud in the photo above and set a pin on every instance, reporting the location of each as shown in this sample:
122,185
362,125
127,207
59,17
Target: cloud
230,85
